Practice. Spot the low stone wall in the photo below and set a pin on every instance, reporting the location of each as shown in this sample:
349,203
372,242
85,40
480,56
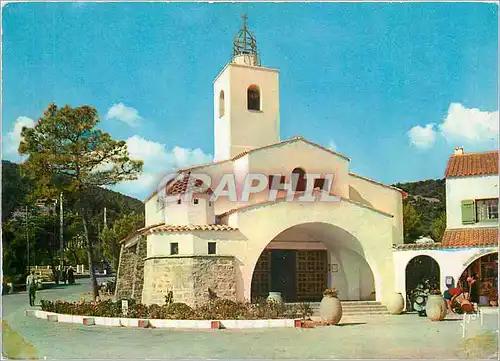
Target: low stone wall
189,278
130,275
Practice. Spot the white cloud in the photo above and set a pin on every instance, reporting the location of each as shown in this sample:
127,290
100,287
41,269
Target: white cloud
423,137
124,114
158,161
14,136
461,126
469,125
332,145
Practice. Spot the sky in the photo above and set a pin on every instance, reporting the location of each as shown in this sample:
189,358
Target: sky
393,86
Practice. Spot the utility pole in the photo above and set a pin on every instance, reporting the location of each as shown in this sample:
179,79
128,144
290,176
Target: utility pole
27,238
105,223
61,230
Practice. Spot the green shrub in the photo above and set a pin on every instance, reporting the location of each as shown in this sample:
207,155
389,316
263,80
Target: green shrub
157,312
216,309
180,311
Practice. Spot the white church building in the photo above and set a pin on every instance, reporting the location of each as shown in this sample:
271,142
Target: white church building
243,249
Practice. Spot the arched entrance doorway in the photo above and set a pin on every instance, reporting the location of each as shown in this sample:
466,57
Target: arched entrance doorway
422,270
304,260
485,271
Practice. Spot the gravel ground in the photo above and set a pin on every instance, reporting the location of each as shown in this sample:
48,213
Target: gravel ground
378,336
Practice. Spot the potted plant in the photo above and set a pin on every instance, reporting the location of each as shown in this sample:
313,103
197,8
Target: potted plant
275,297
330,308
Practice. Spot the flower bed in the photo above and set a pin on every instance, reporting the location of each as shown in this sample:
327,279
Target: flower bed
218,309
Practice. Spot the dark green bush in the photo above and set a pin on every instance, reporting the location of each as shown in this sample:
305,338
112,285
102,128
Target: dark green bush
216,309
157,312
179,311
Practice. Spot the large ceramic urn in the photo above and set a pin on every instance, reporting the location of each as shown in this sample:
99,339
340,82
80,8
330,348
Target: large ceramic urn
435,308
274,297
395,304
330,310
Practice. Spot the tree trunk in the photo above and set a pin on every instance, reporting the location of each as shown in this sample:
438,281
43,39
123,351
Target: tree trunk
93,279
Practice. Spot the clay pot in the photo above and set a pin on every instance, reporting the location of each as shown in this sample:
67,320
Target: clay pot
274,297
395,304
435,308
330,310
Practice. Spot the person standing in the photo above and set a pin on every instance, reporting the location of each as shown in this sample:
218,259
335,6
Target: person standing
71,276
473,289
31,287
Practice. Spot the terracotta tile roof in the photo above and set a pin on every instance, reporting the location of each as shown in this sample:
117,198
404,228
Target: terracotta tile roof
470,237
282,195
458,238
162,227
192,227
139,232
242,154
187,184
416,246
470,164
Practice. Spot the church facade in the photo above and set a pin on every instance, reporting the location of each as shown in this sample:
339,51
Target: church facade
242,249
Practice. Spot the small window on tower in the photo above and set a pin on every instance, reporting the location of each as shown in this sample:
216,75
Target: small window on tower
253,97
221,104
212,248
179,201
196,201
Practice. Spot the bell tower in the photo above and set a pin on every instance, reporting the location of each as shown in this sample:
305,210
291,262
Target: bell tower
246,100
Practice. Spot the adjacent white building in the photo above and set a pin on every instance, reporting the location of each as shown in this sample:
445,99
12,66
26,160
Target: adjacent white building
470,242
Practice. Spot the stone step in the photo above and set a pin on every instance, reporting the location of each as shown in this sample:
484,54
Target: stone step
352,308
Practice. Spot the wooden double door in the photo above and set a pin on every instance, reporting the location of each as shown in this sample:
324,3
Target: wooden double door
298,275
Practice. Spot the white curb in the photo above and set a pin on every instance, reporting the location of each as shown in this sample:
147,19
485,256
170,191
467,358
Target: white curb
160,323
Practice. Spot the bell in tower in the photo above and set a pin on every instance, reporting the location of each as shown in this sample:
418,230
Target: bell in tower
245,46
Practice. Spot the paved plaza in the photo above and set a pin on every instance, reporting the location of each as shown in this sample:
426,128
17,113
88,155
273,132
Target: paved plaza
377,336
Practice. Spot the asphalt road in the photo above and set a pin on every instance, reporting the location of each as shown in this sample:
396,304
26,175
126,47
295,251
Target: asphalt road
403,336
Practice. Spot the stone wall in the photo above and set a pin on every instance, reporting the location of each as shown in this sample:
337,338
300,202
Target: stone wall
130,273
189,278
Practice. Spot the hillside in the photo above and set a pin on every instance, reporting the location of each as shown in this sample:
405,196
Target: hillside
429,200
15,187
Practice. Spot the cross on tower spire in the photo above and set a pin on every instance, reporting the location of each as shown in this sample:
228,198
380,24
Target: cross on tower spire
245,43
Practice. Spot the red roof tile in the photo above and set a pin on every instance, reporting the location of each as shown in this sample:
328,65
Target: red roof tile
416,246
192,227
242,154
187,184
463,165
470,237
283,194
139,232
162,227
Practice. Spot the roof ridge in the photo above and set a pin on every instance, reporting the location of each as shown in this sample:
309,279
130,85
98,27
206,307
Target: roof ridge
281,199
473,153
242,154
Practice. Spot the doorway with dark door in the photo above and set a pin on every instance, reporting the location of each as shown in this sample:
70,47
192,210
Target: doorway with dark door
283,274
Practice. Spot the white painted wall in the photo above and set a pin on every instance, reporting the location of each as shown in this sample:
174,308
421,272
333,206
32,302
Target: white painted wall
159,243
353,279
464,188
245,129
452,262
153,215
285,158
381,197
222,125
